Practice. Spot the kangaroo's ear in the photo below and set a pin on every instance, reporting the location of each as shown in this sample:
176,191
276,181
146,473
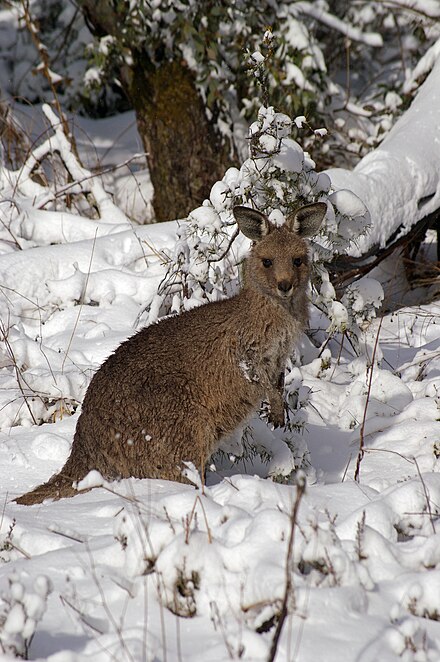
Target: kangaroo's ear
307,220
253,224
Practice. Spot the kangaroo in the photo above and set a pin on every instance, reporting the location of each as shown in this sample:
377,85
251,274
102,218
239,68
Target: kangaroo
175,389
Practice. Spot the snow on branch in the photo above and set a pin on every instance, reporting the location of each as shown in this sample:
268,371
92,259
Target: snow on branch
79,173
399,181
79,181
310,9
429,8
423,67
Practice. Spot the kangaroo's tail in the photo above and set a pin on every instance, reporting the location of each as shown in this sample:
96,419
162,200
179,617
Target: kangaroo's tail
57,487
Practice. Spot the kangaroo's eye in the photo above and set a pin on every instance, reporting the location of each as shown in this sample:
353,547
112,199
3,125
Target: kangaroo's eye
267,262
297,261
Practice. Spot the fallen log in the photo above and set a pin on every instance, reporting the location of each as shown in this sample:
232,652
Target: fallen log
345,269
399,182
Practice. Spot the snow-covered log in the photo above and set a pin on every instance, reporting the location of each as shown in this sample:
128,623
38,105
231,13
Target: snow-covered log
399,182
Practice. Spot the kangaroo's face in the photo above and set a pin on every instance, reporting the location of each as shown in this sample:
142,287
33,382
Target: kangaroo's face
278,264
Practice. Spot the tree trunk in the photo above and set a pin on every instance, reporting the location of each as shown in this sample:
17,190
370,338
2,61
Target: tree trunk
185,153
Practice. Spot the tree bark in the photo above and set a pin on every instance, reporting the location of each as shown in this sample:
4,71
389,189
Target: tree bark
185,153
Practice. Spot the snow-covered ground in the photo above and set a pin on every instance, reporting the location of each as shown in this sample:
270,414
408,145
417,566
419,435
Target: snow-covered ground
153,570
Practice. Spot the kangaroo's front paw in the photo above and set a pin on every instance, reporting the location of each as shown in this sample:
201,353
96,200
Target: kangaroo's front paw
272,412
276,418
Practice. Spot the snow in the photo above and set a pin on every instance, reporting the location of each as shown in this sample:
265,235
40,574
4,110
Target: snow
348,203
290,156
399,181
127,557
350,31
428,7
155,570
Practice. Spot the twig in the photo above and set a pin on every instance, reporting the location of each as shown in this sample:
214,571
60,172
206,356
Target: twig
364,418
217,621
9,541
225,252
14,203
347,44
191,516
44,56
69,536
5,501
19,549
18,374
78,182
83,294
428,503
300,489
118,628
345,268
45,69
388,450
82,616
346,468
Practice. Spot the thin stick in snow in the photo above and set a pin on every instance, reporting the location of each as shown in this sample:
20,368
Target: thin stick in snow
300,489
361,452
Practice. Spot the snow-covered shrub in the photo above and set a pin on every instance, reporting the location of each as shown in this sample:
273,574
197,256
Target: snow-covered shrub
325,561
362,299
201,268
191,547
6,542
408,640
22,607
277,177
64,35
352,65
421,599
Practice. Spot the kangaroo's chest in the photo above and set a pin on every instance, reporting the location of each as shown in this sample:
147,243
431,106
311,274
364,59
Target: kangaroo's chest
261,359
278,350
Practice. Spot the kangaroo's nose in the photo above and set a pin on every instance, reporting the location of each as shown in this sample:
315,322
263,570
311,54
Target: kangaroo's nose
284,286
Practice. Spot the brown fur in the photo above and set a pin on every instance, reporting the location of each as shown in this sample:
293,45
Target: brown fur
176,388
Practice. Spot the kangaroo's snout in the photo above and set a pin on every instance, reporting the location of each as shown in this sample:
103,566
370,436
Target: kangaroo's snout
285,287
